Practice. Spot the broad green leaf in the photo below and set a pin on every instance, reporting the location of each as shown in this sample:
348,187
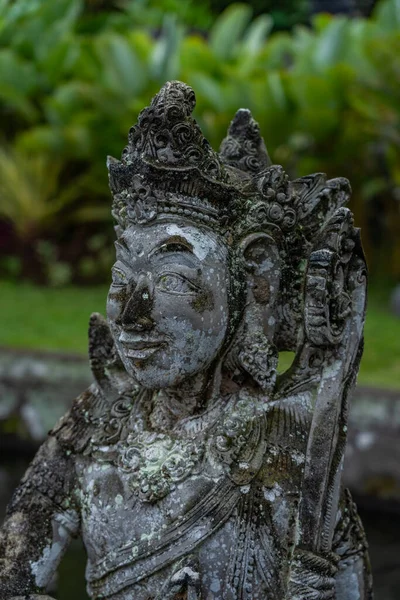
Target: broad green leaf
316,103
360,35
18,104
61,60
73,141
278,53
228,30
122,71
43,138
320,21
303,38
142,42
19,80
39,28
88,65
69,99
13,12
4,6
277,91
17,73
330,43
256,34
387,15
165,56
195,53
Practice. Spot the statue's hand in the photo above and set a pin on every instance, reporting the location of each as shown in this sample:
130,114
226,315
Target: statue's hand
184,581
107,368
312,576
334,307
335,288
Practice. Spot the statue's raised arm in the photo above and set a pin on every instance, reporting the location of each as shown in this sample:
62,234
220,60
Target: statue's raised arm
194,471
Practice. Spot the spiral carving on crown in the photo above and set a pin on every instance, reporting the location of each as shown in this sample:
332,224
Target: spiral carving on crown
167,135
243,147
277,202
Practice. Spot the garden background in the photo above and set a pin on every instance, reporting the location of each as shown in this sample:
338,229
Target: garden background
74,74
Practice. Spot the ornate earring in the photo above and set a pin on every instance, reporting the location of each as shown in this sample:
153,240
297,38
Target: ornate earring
254,353
259,357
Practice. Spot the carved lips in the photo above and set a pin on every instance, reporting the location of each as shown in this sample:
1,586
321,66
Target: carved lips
139,348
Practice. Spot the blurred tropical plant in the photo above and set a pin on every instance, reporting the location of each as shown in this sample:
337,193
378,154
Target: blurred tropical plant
30,191
196,15
284,13
74,79
34,200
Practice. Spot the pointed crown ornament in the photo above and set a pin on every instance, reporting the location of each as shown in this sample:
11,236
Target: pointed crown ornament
169,170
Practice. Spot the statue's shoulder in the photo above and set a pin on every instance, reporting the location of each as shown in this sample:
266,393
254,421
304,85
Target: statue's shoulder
73,431
48,485
258,437
98,417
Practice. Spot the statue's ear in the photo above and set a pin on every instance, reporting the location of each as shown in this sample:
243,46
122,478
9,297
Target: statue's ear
254,351
262,262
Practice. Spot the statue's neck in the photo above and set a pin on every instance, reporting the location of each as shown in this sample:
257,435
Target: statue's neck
190,398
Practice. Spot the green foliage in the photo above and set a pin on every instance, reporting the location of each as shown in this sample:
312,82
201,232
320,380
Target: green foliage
284,13
32,196
327,99
152,12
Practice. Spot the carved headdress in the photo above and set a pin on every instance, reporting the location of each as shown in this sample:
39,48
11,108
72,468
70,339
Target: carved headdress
168,169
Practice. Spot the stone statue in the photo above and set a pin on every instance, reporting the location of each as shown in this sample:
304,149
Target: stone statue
190,468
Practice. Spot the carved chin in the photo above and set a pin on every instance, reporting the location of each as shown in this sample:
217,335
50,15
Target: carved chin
162,367
152,376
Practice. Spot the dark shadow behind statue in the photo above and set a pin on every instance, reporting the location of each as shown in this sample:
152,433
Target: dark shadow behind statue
188,467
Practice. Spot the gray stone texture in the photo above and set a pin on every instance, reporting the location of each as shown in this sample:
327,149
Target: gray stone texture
189,467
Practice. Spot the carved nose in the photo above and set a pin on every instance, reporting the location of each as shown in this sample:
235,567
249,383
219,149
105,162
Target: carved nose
137,311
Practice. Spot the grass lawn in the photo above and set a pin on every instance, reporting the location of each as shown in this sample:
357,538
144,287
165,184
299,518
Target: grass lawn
57,319
48,318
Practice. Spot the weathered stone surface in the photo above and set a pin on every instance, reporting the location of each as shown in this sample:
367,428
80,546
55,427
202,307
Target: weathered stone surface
189,467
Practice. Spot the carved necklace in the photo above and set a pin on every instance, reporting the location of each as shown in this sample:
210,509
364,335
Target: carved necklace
154,461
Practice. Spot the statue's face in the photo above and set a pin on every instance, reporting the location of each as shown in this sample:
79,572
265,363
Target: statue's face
168,301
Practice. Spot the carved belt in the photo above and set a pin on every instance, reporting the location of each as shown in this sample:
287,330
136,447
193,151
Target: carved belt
138,560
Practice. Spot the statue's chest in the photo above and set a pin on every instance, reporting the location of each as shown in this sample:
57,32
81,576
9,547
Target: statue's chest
153,495
134,546
136,489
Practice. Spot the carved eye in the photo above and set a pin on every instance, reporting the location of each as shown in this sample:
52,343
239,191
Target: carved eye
175,284
173,247
118,277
